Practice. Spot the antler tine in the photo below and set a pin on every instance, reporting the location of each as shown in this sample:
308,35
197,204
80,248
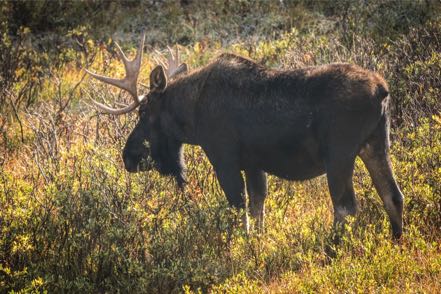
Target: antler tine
132,67
176,55
138,56
160,61
122,55
114,111
115,82
173,65
173,57
128,83
173,61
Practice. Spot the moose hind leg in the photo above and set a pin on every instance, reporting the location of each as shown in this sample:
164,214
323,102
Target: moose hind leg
375,156
257,190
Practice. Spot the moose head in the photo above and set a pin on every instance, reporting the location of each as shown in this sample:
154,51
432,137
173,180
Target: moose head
148,145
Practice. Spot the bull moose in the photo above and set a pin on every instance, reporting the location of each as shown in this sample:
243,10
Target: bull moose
295,124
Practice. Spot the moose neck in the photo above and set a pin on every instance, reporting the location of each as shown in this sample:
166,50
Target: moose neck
180,99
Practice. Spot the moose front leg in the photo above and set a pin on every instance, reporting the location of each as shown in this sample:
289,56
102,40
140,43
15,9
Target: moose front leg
231,181
257,190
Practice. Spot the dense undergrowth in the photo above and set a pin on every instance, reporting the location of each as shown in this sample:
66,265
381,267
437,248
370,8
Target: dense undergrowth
72,219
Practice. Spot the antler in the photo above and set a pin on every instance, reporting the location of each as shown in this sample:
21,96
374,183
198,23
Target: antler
173,67
128,83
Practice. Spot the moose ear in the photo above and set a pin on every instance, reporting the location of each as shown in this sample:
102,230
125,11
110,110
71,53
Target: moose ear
183,68
158,80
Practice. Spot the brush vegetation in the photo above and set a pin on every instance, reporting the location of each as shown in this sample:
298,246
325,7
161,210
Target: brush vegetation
73,220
